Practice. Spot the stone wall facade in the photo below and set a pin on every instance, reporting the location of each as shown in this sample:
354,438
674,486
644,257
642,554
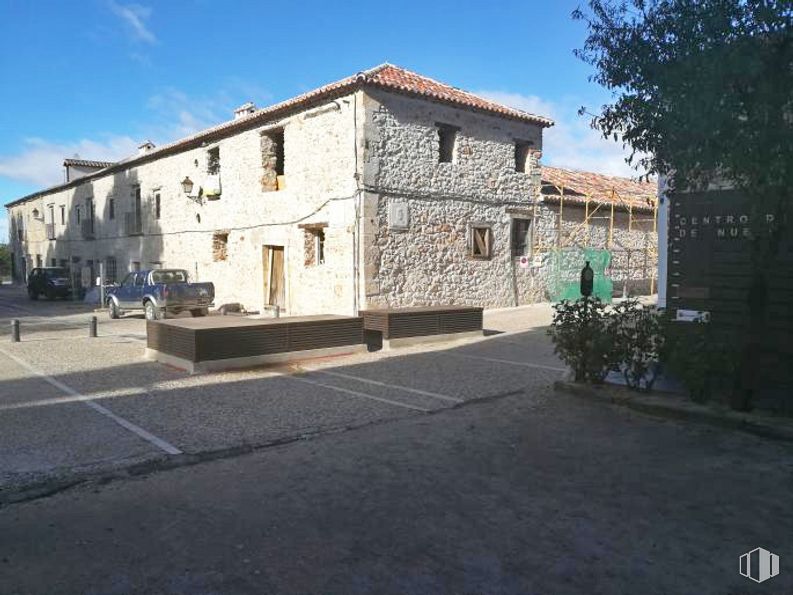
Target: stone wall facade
320,186
428,260
396,220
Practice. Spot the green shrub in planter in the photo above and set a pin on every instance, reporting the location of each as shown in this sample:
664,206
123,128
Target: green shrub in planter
637,333
580,336
701,361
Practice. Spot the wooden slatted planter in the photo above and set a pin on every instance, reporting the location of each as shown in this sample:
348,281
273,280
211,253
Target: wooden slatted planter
400,326
221,342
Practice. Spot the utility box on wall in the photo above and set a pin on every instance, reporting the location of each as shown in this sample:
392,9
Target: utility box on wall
398,216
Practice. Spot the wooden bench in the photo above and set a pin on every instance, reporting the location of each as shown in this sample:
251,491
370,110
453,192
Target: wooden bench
224,342
403,326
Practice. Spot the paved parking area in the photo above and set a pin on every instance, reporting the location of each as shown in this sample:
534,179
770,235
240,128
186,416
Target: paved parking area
463,472
72,406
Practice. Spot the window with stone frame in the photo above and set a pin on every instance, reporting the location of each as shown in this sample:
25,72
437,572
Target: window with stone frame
272,150
220,242
447,141
481,243
314,244
521,237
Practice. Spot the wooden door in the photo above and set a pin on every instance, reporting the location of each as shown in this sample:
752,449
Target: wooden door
273,267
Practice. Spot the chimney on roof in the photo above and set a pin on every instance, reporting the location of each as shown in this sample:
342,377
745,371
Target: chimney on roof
145,147
245,109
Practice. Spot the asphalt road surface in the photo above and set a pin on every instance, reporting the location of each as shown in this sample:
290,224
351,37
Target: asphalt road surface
451,470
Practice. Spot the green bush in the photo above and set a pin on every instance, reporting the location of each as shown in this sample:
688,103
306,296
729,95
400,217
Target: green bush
637,334
580,335
697,358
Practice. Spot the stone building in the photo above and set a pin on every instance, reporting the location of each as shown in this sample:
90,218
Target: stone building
384,188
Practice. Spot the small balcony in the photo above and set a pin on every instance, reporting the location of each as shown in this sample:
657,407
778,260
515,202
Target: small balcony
50,228
87,229
133,224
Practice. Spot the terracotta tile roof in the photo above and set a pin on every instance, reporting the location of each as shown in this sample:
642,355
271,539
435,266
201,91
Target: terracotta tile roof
398,79
385,76
600,188
87,163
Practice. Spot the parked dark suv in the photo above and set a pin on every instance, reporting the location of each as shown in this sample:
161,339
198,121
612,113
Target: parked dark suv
50,282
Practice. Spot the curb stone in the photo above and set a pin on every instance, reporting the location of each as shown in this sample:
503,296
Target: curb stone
683,410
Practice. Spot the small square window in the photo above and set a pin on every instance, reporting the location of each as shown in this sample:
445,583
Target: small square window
481,241
447,140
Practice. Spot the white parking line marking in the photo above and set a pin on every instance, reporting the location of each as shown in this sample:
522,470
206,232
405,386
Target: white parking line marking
509,361
128,425
395,386
356,393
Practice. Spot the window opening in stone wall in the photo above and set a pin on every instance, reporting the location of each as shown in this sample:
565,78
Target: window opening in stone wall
521,237
220,242
111,209
156,206
481,241
134,266
53,262
213,161
272,149
63,214
79,216
522,149
314,243
110,269
447,139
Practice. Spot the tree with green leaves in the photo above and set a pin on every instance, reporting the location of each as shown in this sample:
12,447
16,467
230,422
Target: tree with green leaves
703,90
5,261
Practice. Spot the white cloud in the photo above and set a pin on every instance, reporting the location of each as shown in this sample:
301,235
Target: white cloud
178,114
571,142
135,17
172,115
40,161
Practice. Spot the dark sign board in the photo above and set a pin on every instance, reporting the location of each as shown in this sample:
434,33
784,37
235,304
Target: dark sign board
710,272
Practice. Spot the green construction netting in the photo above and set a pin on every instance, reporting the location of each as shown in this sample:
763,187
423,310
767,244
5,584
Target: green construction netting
564,282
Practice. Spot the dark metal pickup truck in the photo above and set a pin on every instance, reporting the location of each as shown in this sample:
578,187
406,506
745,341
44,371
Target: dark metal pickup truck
158,293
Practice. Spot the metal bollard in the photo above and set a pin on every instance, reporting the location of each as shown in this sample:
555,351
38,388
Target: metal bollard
15,331
92,327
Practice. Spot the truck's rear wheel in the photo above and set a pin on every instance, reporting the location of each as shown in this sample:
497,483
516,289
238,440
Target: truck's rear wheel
113,311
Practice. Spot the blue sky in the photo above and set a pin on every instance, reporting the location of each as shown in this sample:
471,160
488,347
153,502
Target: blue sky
95,78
